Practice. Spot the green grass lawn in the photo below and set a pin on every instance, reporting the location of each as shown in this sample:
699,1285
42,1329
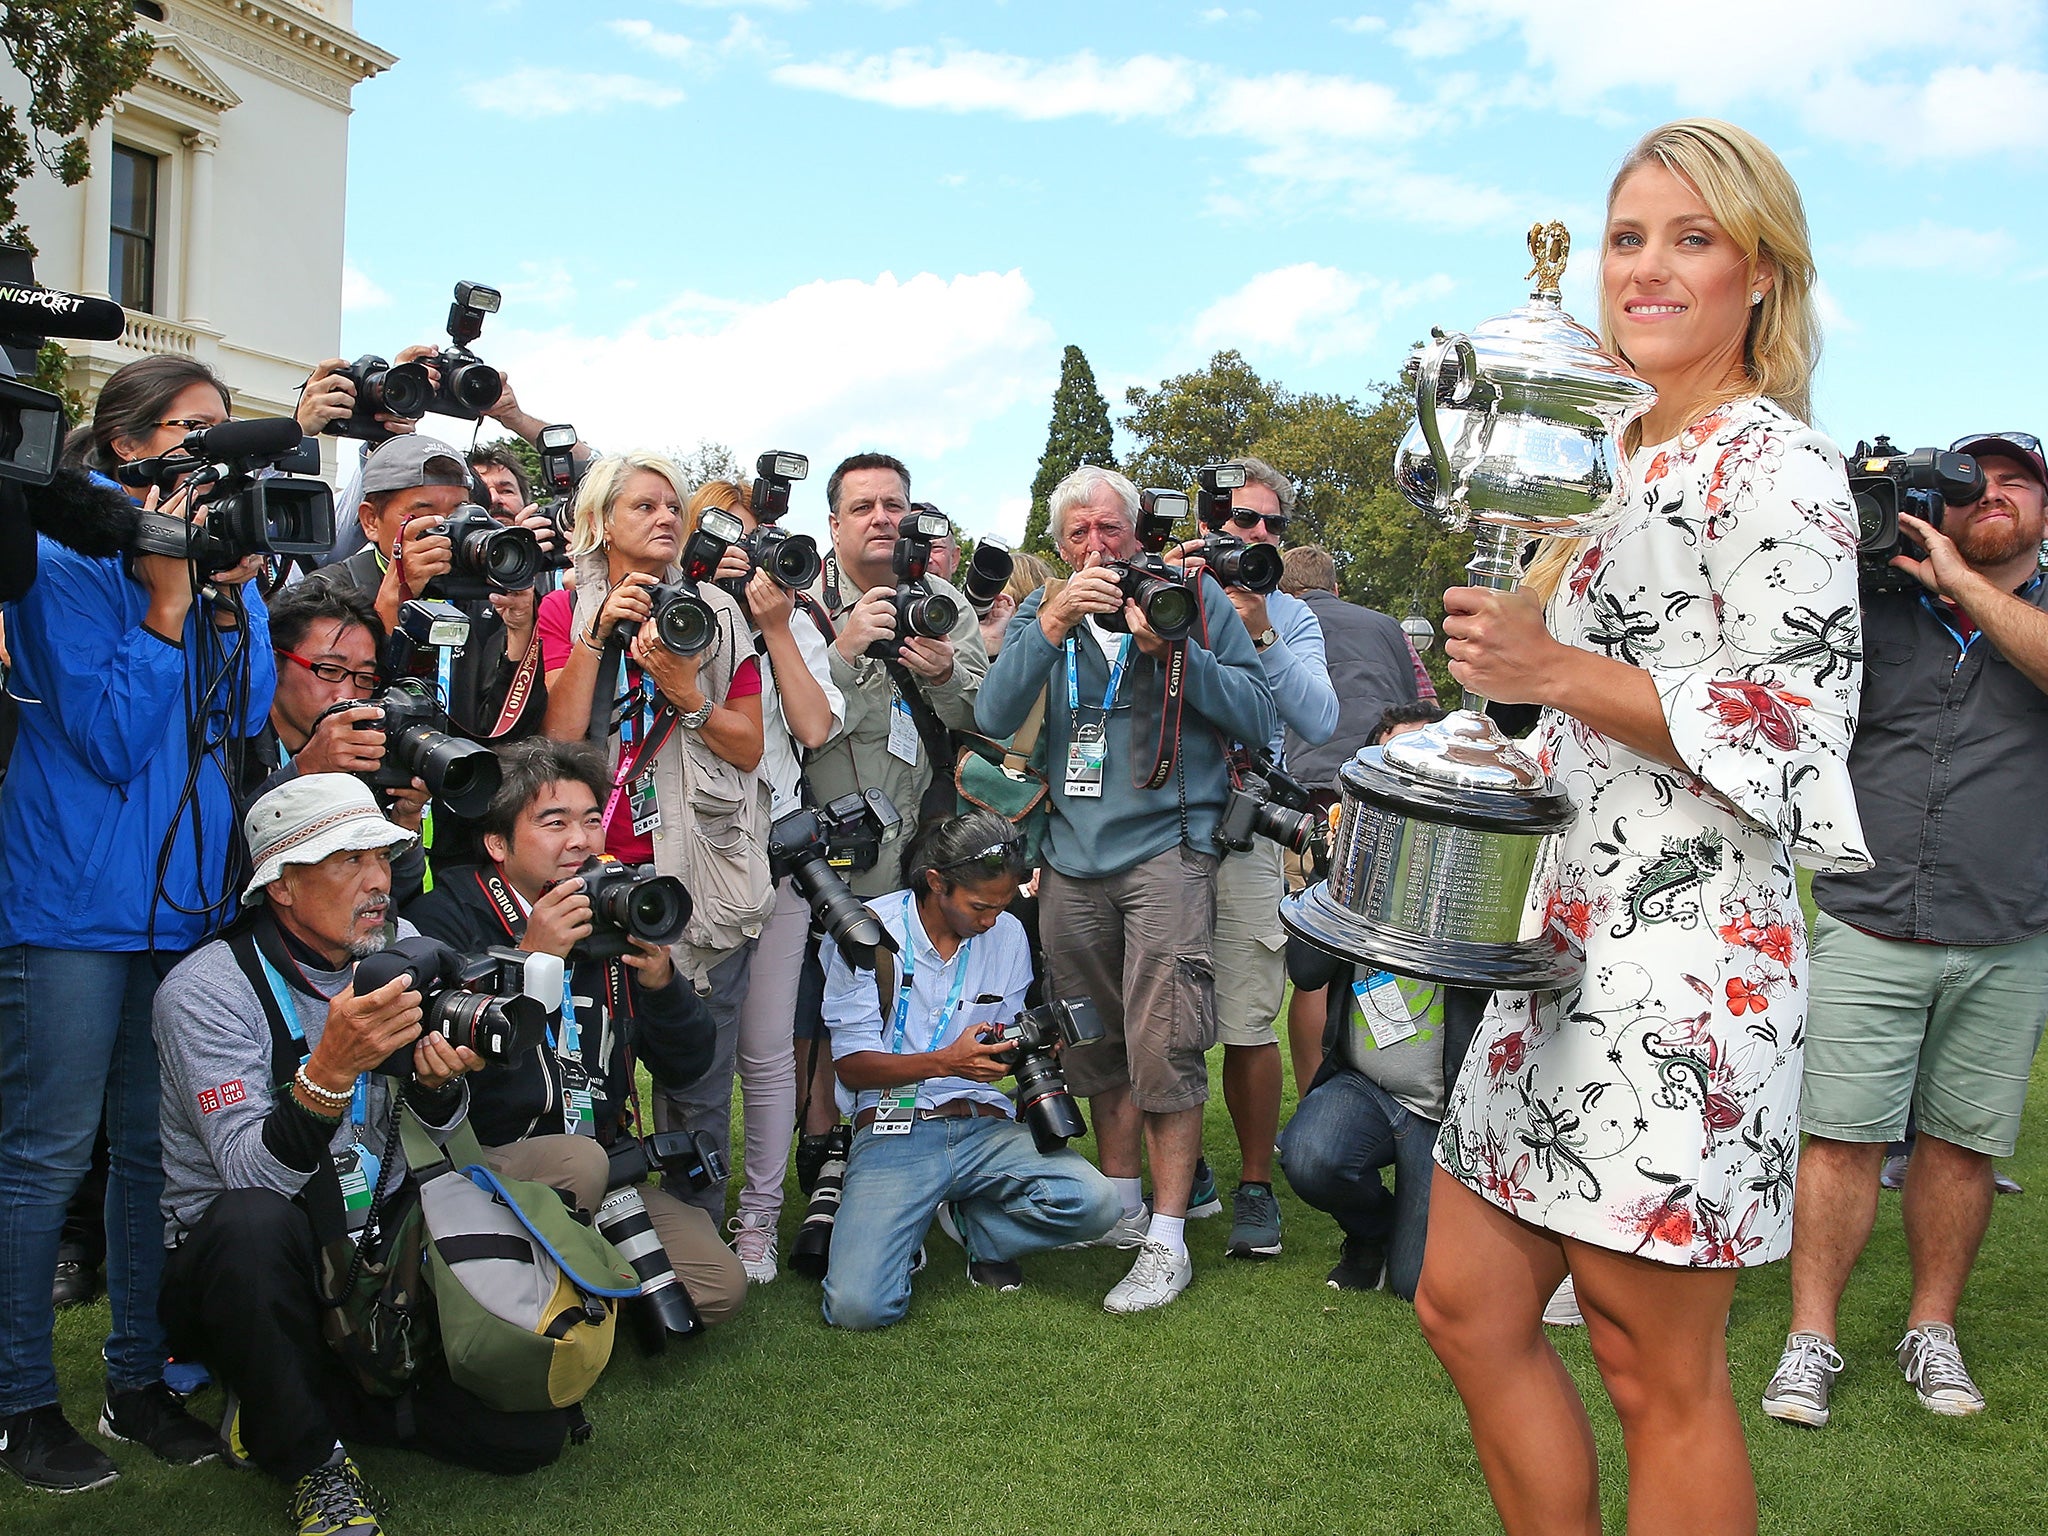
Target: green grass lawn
1261,1401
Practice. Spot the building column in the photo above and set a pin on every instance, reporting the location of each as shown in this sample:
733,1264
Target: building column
96,241
198,277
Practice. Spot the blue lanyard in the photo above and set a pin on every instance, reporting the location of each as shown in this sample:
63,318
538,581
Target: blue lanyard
910,972
359,1100
1116,672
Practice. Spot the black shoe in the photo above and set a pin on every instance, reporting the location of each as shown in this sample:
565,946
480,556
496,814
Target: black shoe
152,1416
78,1278
996,1274
1362,1266
42,1449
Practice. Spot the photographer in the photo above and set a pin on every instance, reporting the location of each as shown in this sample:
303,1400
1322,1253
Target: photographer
898,713
681,733
552,1115
137,675
910,1055
501,474
1251,946
270,1098
1128,895
1930,971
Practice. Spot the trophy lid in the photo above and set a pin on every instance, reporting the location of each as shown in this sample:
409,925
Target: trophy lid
1464,750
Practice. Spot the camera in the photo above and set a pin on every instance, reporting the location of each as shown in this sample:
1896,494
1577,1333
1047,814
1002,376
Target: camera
1269,802
395,389
462,774
486,1002
628,902
773,472
1231,560
663,1310
717,531
237,512
682,620
791,558
687,1157
1886,482
811,847
1146,579
560,474
811,1253
919,610
466,387
1216,482
489,556
986,575
1034,1038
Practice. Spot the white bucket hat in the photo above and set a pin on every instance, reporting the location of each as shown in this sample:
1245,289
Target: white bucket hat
305,819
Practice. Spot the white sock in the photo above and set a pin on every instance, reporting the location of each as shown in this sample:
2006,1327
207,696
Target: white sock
1132,1193
1170,1230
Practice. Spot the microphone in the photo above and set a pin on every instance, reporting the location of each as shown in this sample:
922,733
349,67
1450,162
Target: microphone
26,310
263,437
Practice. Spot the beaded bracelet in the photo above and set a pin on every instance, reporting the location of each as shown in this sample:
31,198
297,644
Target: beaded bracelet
322,1097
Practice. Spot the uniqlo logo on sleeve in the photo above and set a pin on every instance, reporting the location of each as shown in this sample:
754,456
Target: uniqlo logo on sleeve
232,1093
209,1100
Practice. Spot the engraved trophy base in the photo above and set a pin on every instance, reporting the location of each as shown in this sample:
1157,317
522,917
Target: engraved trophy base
1436,843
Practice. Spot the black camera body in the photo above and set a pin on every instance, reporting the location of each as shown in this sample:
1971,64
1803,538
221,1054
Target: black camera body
774,472
687,1157
790,558
1233,561
812,848
1034,1039
238,510
395,389
682,620
465,388
1885,482
1159,590
462,775
919,610
629,902
489,556
1269,802
477,1001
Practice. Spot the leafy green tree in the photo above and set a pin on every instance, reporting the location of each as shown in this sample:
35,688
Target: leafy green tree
77,56
1080,434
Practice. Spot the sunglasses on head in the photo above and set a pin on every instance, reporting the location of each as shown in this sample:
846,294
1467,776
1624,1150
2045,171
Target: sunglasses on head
996,859
1276,523
2023,440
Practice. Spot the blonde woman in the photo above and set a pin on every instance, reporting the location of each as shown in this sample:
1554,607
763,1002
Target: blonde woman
1699,676
695,805
1027,574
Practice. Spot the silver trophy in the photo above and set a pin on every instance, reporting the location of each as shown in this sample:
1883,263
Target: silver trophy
1517,432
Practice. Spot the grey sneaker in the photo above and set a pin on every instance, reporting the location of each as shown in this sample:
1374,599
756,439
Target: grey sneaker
1798,1393
1934,1365
1159,1275
1254,1223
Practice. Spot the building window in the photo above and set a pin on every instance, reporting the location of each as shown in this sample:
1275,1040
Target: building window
131,273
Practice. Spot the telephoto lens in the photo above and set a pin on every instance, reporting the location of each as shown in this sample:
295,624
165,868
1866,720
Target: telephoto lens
682,620
630,902
462,775
811,1253
663,1310
986,575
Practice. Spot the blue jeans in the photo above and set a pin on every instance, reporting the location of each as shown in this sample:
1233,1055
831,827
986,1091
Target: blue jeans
1346,1130
1010,1199
75,1040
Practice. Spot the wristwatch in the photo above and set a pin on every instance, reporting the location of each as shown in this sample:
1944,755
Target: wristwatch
1270,637
695,719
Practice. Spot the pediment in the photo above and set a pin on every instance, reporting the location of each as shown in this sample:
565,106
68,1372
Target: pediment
183,73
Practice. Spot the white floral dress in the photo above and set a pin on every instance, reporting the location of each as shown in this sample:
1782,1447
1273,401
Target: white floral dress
1654,1108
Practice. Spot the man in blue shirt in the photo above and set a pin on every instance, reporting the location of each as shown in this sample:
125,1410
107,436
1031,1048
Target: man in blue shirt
932,1134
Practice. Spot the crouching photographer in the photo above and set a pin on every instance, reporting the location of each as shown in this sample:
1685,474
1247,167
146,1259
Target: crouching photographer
918,1056
282,1161
562,1114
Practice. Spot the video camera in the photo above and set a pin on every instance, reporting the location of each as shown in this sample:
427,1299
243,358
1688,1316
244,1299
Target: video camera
490,1003
1886,482
773,473
1034,1038
1269,802
1231,560
628,902
461,774
919,610
451,382
1146,579
986,575
237,510
811,847
560,474
666,1310
32,420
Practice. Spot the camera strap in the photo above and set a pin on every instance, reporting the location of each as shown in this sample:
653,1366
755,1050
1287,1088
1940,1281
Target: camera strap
1171,685
522,686
660,728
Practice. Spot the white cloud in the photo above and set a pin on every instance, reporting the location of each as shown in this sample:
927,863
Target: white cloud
1932,247
967,80
1364,26
737,5
537,92
358,290
668,45
1308,309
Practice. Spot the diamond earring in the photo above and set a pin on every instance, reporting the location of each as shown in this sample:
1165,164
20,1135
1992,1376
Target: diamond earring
1756,297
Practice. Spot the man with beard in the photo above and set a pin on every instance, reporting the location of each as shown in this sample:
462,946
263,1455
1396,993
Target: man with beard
1930,970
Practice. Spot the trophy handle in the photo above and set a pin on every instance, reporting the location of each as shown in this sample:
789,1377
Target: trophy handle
1428,380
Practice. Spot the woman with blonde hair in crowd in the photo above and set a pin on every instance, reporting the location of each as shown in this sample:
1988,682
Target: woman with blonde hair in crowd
1027,574
1639,1131
682,736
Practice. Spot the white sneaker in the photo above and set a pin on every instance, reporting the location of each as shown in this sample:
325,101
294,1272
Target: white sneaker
753,1239
1799,1387
1129,1232
1562,1310
1934,1365
1159,1275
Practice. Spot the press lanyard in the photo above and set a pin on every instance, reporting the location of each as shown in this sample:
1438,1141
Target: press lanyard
910,972
359,1099
1116,672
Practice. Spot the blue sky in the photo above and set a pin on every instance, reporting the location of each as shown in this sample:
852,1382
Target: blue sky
827,225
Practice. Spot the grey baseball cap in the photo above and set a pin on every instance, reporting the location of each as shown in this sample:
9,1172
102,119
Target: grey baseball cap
411,459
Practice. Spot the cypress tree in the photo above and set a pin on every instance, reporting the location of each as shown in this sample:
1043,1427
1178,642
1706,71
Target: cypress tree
1080,434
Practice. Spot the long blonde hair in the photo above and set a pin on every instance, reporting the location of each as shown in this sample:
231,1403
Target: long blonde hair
1754,199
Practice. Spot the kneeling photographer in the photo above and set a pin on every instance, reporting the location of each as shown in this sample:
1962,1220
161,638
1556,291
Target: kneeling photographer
562,1114
281,1160
919,1043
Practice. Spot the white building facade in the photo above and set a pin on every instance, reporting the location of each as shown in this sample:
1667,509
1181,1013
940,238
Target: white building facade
214,211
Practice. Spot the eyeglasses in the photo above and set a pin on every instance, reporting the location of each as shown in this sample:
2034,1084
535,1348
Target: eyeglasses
996,859
1276,523
187,424
2022,440
335,672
